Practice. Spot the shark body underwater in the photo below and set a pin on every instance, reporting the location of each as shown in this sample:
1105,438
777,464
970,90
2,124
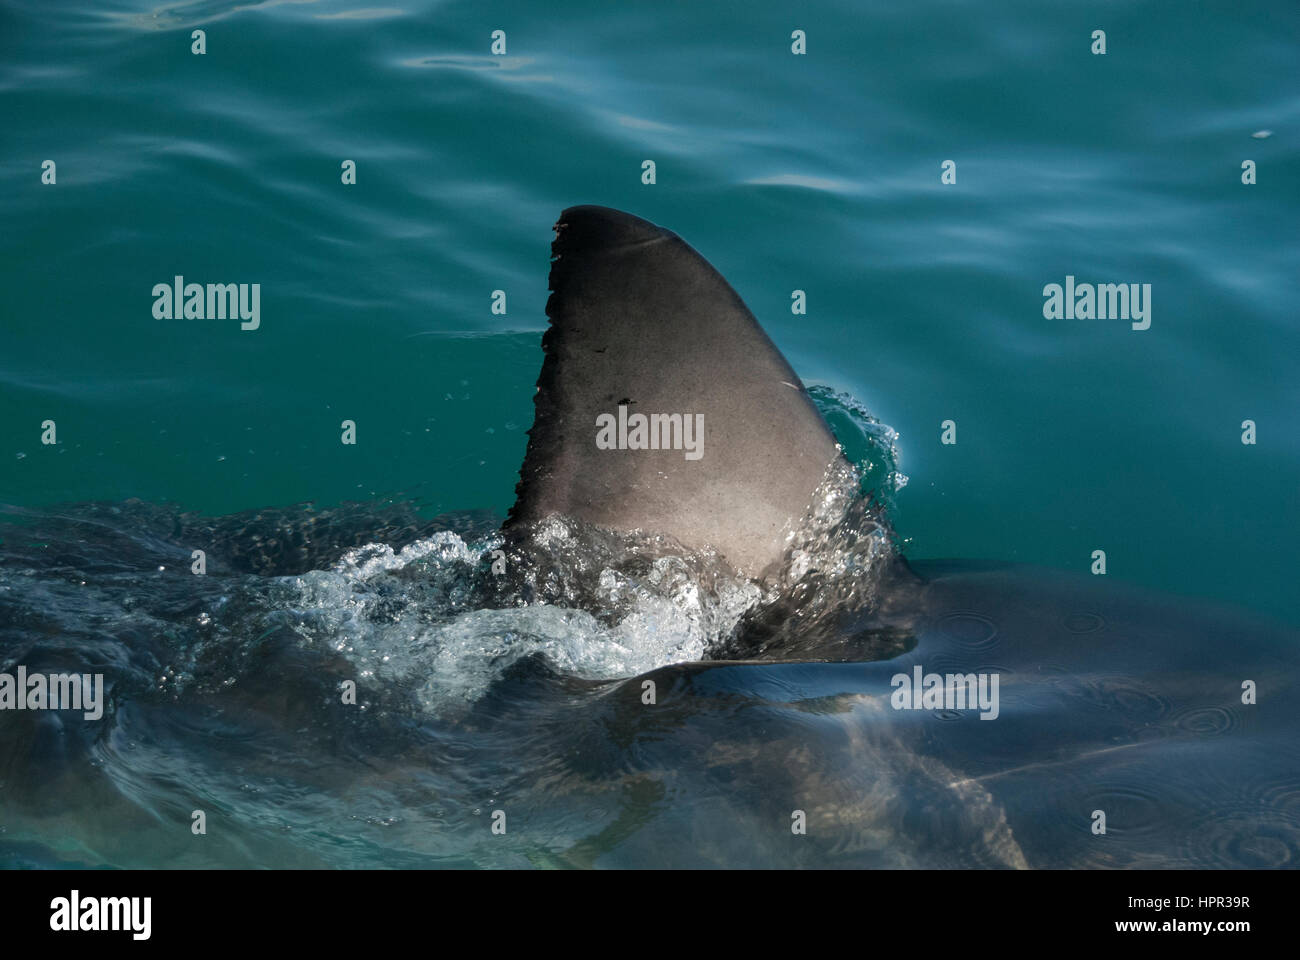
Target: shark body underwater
659,660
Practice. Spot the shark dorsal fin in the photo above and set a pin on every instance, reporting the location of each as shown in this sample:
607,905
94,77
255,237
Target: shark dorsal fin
642,326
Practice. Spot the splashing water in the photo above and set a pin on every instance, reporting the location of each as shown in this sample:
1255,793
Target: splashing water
421,611
415,616
489,676
595,604
868,444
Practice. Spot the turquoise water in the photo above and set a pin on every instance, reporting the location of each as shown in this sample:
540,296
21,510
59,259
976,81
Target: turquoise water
366,562
818,172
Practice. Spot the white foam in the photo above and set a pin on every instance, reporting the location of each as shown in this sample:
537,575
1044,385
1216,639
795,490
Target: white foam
405,616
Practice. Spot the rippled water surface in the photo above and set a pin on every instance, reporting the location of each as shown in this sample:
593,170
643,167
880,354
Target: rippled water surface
372,562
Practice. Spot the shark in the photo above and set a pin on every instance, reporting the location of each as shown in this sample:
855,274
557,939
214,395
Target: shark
359,686
1132,729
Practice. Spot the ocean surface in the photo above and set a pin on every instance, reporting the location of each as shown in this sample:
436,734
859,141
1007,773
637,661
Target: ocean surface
818,172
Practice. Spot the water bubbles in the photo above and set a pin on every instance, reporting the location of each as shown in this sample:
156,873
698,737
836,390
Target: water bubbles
432,620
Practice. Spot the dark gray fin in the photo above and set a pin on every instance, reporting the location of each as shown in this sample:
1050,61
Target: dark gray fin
640,319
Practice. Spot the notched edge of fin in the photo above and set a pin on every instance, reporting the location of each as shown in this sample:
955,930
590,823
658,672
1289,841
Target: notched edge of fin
585,228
